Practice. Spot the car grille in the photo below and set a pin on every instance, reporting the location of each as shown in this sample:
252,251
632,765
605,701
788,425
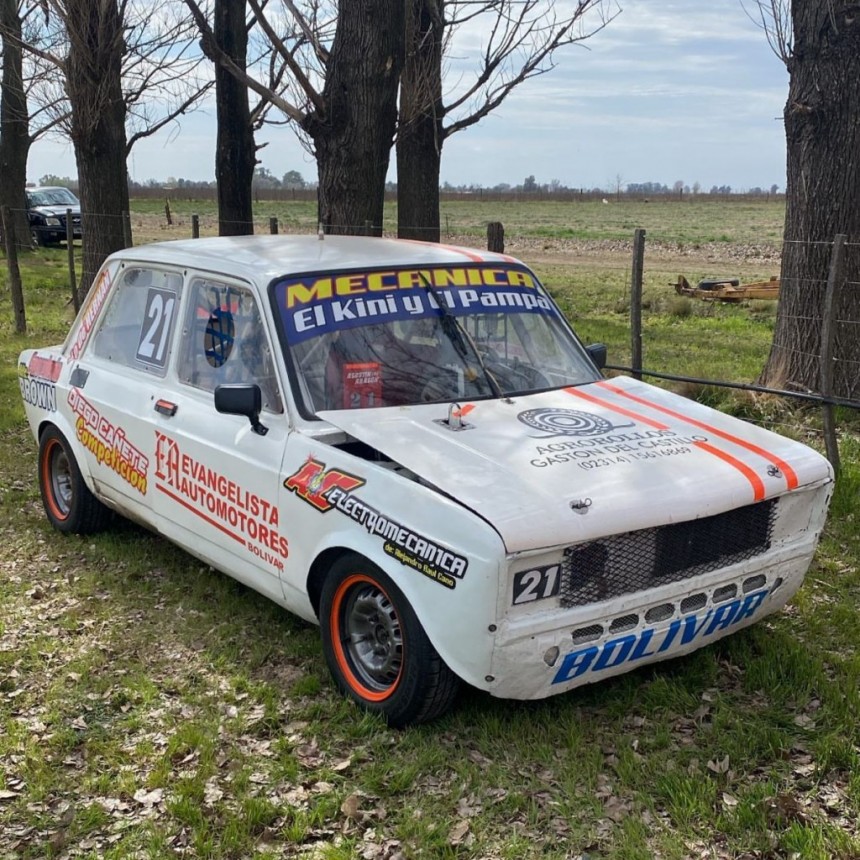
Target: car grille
76,222
636,561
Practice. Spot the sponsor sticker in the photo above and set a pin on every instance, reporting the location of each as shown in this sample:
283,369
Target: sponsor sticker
245,516
36,382
95,299
44,368
590,441
333,489
650,641
108,443
316,305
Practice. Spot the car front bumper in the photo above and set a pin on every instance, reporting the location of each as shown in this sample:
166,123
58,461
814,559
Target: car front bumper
542,655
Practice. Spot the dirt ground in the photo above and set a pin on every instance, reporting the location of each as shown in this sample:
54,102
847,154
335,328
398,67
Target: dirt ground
723,258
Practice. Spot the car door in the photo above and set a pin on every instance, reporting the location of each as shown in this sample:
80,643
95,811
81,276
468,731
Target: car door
215,480
117,380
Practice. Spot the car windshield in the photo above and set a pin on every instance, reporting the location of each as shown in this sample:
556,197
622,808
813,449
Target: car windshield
52,197
405,336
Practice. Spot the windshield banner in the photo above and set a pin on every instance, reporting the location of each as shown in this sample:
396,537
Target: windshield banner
315,305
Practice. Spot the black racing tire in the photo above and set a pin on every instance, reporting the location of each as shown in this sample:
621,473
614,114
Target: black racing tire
69,505
377,650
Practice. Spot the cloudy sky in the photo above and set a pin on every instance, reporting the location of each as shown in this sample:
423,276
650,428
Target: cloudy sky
670,90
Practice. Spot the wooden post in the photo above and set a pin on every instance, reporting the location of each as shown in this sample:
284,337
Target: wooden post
195,226
126,229
636,303
70,250
273,225
828,336
15,286
496,237
167,213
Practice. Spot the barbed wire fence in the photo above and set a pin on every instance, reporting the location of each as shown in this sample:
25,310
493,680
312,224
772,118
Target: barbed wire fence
833,322
833,319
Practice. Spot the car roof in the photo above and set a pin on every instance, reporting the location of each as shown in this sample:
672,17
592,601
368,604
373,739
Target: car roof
263,258
50,188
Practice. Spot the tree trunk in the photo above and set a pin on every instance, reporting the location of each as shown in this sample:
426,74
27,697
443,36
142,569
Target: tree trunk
235,155
14,125
353,137
419,132
822,133
93,84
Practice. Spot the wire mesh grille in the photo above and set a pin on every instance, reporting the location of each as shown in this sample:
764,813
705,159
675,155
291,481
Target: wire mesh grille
625,564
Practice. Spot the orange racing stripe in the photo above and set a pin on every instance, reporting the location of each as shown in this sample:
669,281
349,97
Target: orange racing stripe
627,413
746,471
466,252
790,475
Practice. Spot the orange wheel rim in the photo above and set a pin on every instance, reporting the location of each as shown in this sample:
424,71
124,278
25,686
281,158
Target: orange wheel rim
57,480
367,638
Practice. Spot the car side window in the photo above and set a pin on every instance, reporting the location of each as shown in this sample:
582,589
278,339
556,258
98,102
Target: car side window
224,341
137,327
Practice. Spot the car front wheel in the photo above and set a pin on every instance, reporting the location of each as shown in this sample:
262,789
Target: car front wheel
69,504
377,649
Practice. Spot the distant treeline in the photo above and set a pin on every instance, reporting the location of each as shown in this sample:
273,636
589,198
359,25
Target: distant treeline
480,194
267,187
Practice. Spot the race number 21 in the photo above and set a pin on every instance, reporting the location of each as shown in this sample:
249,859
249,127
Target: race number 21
156,328
536,584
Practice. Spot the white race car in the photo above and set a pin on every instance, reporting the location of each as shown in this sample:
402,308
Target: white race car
407,444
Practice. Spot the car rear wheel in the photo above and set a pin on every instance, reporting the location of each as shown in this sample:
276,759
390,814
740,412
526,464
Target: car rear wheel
69,504
377,649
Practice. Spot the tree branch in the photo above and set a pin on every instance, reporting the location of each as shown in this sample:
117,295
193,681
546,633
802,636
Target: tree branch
213,51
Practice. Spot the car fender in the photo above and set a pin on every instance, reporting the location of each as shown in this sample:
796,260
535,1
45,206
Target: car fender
43,378
445,559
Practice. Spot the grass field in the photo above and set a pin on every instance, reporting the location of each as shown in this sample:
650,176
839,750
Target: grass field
695,221
152,708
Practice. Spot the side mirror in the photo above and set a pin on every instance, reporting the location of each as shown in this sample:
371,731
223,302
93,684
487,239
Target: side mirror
242,399
597,351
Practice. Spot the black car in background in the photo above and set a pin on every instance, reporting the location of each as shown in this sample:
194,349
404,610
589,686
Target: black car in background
47,207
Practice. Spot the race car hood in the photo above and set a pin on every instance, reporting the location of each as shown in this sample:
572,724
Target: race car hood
582,462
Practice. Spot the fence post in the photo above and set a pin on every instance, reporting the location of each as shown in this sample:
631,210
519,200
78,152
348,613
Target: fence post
167,213
636,303
126,229
15,286
70,251
195,226
496,237
273,225
828,335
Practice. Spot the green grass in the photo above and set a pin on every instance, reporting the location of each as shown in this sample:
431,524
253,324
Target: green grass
687,224
152,707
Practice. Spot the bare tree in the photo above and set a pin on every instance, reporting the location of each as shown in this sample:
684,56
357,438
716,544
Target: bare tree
520,39
30,107
128,71
820,46
339,69
421,131
235,152
14,123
